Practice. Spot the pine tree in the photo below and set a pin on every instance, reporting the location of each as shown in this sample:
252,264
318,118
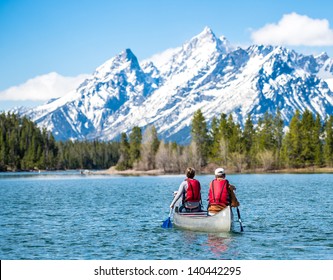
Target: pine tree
223,127
307,135
318,145
235,136
292,143
13,148
265,133
328,142
278,137
200,138
3,146
224,139
215,135
135,139
235,145
248,140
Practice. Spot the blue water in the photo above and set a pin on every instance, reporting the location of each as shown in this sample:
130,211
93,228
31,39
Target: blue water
70,216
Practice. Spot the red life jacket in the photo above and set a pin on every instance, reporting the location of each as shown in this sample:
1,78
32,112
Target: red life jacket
218,192
193,191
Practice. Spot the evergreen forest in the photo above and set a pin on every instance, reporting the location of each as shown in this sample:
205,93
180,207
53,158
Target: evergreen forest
265,146
24,146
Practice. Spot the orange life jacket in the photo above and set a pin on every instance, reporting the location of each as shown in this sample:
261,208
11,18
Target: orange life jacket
218,192
193,191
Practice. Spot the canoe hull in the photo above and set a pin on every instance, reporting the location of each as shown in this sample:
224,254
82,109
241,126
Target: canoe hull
221,222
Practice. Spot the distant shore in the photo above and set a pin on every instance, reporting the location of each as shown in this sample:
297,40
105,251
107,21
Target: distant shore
113,171
208,171
155,172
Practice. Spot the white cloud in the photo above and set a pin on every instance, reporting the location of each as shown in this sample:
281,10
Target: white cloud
295,30
42,88
160,59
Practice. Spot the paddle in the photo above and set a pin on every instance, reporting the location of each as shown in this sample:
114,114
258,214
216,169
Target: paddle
167,223
240,220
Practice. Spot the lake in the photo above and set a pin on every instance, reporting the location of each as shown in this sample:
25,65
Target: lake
65,215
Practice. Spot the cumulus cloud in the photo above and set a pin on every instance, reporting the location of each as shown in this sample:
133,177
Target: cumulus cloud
295,30
42,88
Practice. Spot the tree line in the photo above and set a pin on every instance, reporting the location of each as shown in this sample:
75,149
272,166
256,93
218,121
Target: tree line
268,145
24,146
307,142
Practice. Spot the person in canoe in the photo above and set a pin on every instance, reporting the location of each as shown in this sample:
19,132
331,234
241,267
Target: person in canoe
221,193
190,190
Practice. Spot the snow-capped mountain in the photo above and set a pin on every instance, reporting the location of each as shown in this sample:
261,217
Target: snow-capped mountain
205,73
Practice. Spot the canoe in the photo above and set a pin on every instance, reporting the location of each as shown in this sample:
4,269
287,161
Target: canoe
200,221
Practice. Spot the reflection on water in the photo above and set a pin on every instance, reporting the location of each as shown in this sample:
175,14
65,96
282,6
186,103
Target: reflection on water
211,245
218,243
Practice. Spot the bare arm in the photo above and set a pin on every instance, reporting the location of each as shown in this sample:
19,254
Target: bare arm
181,189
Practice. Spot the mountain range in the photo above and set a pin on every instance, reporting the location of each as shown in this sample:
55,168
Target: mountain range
205,73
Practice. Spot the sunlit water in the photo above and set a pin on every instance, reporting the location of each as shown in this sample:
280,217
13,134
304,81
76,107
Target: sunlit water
70,216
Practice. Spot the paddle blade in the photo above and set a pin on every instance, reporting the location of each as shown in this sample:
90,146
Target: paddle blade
167,223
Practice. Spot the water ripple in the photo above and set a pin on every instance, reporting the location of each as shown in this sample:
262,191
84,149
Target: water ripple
80,217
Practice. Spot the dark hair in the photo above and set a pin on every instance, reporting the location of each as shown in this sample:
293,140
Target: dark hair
190,172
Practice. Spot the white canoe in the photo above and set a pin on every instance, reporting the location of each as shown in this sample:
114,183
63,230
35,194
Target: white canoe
200,221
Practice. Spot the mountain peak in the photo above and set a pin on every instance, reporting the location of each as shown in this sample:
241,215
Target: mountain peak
207,32
206,35
128,54
125,59
208,42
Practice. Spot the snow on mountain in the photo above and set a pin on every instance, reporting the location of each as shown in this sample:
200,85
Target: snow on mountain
205,73
115,87
325,71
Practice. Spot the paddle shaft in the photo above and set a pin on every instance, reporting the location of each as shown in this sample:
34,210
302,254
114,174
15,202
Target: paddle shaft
239,219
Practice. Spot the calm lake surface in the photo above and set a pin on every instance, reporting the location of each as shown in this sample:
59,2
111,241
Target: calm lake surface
70,216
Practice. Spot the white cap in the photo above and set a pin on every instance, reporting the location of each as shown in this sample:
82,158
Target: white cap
219,171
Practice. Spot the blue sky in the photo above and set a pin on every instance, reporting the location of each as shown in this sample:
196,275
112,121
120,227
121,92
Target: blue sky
72,37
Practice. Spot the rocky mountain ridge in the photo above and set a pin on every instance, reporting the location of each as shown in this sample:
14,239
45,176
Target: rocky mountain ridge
205,73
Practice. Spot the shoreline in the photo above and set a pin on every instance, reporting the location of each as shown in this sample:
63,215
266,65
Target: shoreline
207,171
158,172
129,172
